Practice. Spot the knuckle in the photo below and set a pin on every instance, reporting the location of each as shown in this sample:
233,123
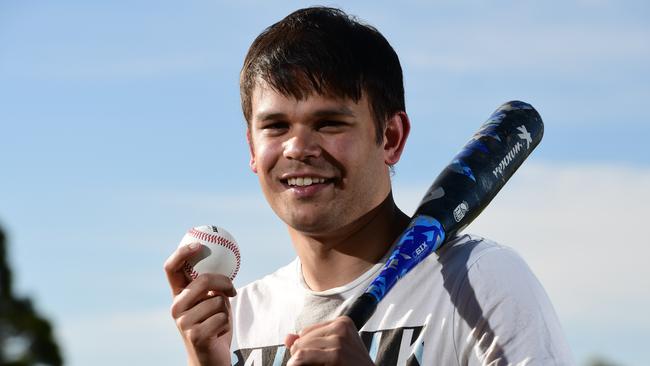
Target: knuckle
295,348
171,262
194,336
182,323
175,310
168,265
348,325
347,321
340,327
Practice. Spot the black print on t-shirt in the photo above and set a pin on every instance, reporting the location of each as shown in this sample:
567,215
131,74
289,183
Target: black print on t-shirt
400,346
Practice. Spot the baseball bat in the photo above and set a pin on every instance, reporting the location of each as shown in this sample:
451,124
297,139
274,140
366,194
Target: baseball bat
461,191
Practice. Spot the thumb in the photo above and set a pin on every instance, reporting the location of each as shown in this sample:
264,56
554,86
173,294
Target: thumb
289,339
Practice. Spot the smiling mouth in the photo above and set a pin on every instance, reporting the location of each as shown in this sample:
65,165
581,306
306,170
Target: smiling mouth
305,181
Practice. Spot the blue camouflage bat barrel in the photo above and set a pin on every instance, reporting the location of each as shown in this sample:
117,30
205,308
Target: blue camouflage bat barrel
457,196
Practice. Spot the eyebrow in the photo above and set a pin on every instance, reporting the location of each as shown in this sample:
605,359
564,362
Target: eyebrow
326,112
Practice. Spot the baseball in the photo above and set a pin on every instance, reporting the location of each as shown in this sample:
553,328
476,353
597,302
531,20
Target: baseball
219,252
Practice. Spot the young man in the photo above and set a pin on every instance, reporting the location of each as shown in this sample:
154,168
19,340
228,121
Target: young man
323,99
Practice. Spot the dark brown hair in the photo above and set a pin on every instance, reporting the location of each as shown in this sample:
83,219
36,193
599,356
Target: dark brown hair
325,51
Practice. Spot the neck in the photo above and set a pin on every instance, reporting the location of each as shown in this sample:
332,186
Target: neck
337,258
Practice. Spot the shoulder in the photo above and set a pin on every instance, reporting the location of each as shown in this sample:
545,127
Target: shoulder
481,262
501,309
489,272
477,260
468,249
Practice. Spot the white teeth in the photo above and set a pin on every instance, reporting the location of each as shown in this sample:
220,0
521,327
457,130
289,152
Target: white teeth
304,181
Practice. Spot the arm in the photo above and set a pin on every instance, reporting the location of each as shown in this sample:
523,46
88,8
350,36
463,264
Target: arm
201,311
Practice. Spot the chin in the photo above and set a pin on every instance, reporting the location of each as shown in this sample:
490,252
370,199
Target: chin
308,227
313,226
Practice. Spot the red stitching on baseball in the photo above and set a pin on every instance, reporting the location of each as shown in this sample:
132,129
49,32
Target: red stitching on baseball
189,270
219,240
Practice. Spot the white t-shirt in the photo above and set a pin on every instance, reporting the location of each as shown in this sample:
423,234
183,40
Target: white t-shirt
472,303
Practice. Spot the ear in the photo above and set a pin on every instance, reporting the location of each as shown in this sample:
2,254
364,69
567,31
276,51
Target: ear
396,132
252,162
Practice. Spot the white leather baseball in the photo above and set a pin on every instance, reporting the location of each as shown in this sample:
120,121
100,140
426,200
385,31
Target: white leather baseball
219,252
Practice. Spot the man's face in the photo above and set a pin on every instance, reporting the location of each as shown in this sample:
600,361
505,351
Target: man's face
317,159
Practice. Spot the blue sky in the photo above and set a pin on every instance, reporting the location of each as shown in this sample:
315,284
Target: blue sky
120,127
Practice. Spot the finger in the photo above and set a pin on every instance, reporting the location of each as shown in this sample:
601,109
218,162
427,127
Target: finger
289,339
315,356
216,325
329,343
214,283
206,286
328,334
174,266
202,311
309,342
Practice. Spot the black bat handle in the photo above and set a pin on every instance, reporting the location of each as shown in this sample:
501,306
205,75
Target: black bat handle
362,309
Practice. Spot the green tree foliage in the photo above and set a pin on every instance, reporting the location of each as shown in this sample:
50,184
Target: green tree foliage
26,338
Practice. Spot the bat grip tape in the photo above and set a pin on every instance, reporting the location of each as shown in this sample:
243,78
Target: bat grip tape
362,309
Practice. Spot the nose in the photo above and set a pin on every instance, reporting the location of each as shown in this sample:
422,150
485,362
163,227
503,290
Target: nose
302,145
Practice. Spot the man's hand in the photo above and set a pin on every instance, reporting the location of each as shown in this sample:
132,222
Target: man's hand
330,343
201,310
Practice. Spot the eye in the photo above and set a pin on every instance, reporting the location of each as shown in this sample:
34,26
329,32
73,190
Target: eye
275,127
331,125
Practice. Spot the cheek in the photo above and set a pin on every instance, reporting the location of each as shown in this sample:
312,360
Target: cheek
265,156
354,152
345,149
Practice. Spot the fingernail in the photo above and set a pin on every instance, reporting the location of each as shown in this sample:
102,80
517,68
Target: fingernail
233,291
193,246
